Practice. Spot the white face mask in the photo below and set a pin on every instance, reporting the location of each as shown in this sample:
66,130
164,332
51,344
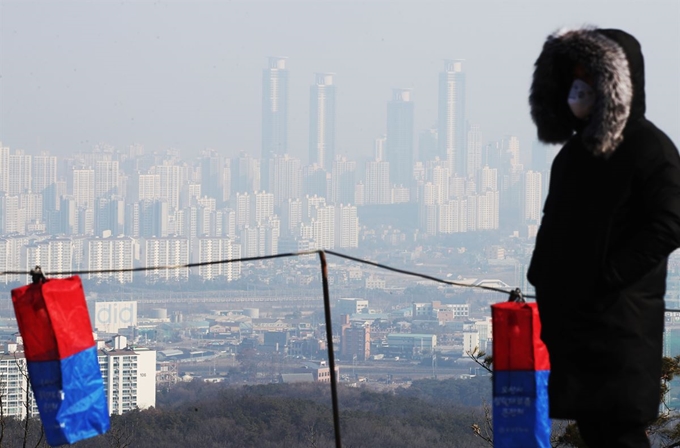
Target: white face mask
581,99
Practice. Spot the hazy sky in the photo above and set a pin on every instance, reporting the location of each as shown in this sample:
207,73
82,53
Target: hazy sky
188,75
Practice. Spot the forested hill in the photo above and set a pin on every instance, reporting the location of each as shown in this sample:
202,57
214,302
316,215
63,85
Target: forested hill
429,414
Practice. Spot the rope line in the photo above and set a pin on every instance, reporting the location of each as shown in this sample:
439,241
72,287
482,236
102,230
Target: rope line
168,267
416,274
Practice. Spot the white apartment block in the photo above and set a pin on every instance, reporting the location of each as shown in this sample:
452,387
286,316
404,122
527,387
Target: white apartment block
377,183
14,386
323,227
346,227
262,208
110,253
19,173
242,210
53,255
168,251
215,249
171,180
488,211
533,197
129,377
148,187
291,216
83,187
44,172
11,220
10,257
286,179
106,178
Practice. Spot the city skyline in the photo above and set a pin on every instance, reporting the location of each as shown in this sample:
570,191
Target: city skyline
185,89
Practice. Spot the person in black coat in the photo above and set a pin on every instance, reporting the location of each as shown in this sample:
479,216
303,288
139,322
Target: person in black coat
610,221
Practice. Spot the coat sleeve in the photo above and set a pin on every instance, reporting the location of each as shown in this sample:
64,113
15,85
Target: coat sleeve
657,237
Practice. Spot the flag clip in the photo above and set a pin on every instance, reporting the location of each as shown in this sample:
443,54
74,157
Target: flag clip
37,275
516,296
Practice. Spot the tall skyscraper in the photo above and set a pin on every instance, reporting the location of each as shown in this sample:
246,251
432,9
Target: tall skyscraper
399,147
322,121
275,108
451,132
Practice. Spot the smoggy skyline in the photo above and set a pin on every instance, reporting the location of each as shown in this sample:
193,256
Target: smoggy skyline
189,75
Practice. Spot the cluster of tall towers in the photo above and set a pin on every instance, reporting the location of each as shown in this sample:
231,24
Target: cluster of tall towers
451,130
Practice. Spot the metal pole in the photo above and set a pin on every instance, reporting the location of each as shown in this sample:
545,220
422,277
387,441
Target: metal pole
329,342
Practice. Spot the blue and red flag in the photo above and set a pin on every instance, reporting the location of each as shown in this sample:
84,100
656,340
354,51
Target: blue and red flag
61,356
521,367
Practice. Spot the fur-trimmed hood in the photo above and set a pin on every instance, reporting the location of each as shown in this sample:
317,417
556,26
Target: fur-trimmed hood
614,60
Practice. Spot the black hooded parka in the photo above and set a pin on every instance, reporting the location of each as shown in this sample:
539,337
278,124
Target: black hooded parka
611,219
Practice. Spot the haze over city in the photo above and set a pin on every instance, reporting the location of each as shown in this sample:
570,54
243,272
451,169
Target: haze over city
187,75
138,137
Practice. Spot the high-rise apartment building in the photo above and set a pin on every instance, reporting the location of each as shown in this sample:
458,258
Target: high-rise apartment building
399,146
377,185
106,178
274,114
291,217
262,208
171,180
10,258
148,187
356,341
170,251
451,124
243,204
346,227
83,187
323,227
19,173
275,108
533,197
322,121
286,178
53,255
129,377
10,221
110,253
44,179
214,249
15,388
